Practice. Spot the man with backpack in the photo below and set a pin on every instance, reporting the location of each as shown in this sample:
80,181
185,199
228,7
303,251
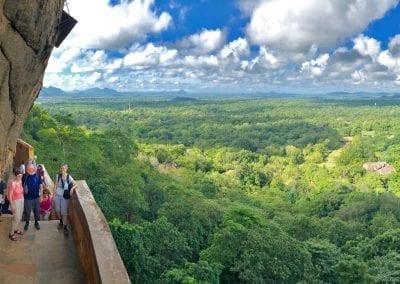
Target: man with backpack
32,184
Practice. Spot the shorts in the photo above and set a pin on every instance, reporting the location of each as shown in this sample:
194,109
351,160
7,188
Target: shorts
61,204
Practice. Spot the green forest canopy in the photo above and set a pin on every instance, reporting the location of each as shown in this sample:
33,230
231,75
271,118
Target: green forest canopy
237,190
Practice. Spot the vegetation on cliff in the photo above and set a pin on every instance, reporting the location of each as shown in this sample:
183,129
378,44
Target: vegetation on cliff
236,190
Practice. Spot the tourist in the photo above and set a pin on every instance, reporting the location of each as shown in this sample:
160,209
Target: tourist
34,188
3,186
64,186
16,199
40,172
45,205
22,168
34,161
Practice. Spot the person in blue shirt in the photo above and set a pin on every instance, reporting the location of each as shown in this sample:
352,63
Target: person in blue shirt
32,181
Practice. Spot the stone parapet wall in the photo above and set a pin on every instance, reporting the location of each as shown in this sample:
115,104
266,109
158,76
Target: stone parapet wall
96,246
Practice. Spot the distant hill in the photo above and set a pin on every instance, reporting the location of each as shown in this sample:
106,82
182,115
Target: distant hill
52,92
106,92
183,99
361,94
93,92
98,92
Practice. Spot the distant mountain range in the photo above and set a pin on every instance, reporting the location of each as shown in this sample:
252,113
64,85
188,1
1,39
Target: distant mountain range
106,92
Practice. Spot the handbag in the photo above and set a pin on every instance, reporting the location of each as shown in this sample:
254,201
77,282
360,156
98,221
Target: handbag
67,192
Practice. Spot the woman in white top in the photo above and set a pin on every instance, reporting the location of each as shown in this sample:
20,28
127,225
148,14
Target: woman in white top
63,184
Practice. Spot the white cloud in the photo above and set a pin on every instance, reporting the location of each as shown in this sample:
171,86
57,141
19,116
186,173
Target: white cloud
91,60
149,55
394,45
386,58
391,58
397,81
230,66
358,77
236,49
74,82
367,46
248,6
297,26
61,59
316,67
113,79
93,78
204,42
103,26
263,61
200,61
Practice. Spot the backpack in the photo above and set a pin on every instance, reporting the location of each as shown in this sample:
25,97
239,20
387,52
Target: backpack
66,193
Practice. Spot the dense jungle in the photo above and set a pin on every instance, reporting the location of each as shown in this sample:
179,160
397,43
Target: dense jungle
235,189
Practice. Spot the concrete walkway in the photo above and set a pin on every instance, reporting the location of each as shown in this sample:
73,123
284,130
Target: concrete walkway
39,256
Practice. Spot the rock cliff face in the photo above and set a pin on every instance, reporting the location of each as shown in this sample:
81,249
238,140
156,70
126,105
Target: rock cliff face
28,31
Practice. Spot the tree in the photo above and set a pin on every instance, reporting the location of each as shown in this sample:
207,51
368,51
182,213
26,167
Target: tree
351,271
324,256
386,268
253,250
150,250
200,272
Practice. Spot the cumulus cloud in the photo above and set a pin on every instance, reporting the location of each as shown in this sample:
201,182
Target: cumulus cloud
236,49
391,58
231,67
367,46
200,61
392,62
149,55
101,25
248,6
394,45
61,58
204,42
297,26
397,81
315,67
265,60
283,48
88,61
358,77
364,65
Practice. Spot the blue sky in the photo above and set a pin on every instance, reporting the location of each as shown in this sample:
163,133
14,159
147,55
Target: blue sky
230,46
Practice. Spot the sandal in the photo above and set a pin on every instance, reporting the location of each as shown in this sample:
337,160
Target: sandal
12,237
18,232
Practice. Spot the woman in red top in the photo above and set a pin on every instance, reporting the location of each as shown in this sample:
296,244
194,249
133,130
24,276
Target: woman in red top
16,198
45,205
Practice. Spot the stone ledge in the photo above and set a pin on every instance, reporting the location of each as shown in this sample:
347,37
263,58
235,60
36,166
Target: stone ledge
96,246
